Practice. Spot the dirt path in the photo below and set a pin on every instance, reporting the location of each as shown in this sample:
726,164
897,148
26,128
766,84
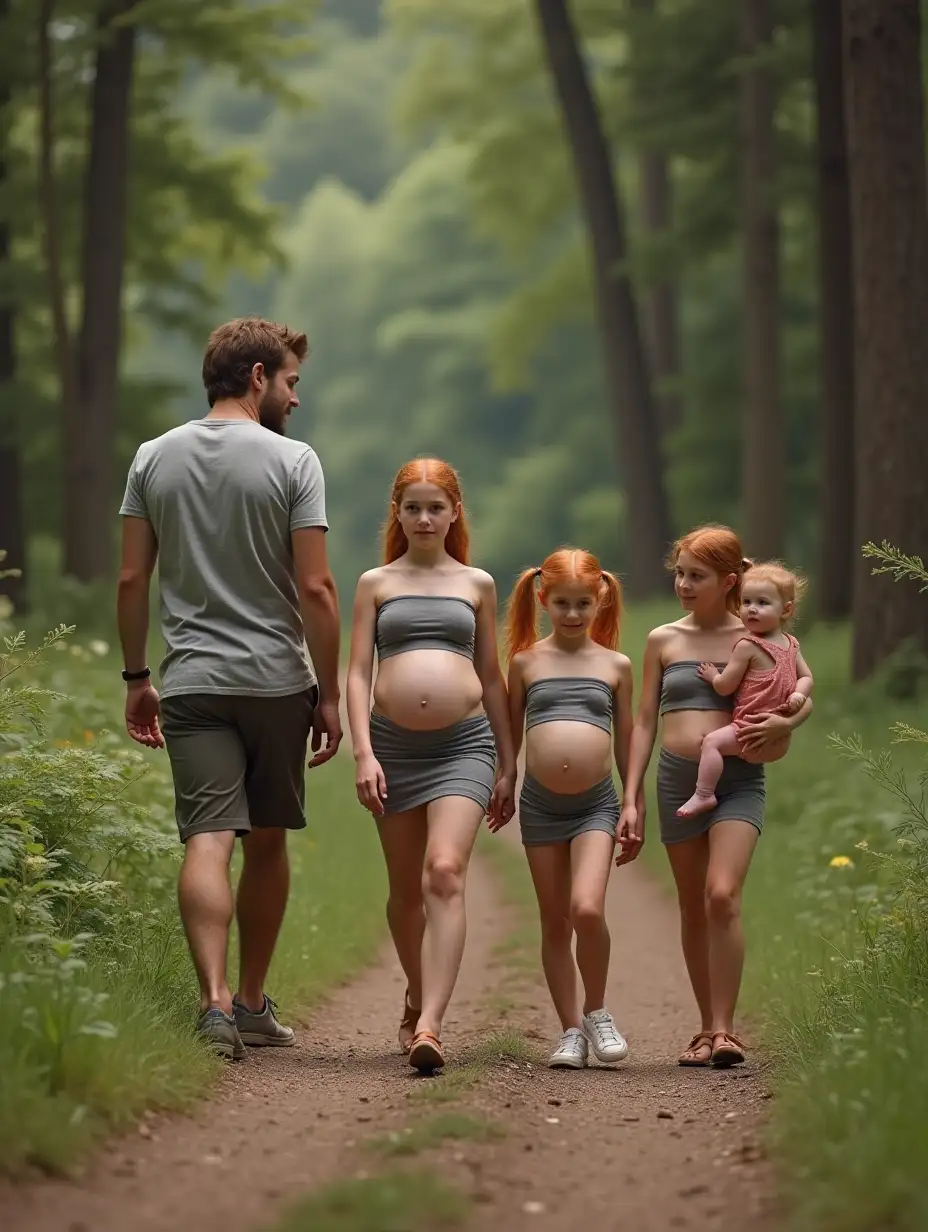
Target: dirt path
650,1146
283,1121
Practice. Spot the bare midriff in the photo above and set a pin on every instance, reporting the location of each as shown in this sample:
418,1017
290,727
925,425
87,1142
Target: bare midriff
425,690
683,730
567,756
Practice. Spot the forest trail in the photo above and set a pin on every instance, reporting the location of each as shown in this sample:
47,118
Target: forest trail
651,1146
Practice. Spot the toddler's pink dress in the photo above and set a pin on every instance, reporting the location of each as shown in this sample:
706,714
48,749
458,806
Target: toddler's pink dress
767,692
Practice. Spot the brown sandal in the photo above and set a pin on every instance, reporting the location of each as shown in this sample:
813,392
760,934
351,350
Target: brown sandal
729,1052
407,1031
425,1054
690,1058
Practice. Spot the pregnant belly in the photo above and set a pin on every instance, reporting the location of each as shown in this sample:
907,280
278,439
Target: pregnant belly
567,756
427,689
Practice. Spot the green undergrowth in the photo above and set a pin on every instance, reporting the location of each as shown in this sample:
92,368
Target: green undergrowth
433,1131
394,1201
501,1048
837,923
97,994
836,918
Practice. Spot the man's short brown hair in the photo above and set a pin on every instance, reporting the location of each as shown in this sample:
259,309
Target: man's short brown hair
234,349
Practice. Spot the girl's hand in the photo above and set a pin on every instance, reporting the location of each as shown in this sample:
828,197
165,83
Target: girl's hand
795,703
502,802
371,784
629,835
762,730
707,672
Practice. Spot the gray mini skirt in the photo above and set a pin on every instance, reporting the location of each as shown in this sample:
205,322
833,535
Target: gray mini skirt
547,816
741,795
421,766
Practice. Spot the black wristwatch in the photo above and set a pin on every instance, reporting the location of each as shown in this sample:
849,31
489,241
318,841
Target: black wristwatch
144,674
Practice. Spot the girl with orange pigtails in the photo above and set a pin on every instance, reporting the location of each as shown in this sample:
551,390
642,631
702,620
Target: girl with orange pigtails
434,755
570,694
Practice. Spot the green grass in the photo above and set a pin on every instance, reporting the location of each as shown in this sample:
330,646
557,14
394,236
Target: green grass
87,1042
457,1079
837,975
432,1132
837,970
393,1202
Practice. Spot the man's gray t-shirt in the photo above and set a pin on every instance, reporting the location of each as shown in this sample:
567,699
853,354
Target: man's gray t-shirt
223,496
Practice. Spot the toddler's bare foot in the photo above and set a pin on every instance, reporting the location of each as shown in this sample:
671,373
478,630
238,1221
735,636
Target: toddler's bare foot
699,802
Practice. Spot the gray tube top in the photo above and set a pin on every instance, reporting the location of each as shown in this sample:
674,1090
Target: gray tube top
577,699
425,622
683,689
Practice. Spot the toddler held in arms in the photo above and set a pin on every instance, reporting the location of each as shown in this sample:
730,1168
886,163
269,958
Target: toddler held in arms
766,672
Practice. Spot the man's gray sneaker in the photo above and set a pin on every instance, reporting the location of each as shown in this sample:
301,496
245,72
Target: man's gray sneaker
261,1029
221,1033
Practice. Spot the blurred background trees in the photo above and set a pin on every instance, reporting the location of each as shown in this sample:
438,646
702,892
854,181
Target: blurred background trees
627,265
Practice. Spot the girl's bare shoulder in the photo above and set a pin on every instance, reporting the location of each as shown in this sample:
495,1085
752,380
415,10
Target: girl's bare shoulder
370,580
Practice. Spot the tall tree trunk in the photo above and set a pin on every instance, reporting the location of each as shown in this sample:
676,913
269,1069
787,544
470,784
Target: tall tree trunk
627,375
836,309
889,216
63,348
763,475
661,303
662,314
89,493
12,523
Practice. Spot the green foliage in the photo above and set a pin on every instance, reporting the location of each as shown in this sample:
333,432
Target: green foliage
837,905
898,564
79,925
413,1202
195,212
97,992
435,1130
667,80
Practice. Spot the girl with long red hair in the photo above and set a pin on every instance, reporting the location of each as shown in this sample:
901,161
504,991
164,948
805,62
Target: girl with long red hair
428,751
571,695
709,852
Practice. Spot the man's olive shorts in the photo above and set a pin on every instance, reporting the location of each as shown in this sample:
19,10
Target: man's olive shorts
238,761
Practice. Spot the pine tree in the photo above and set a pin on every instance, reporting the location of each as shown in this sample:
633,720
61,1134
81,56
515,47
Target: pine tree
889,215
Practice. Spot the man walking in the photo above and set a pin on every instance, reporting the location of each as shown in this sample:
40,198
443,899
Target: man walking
234,514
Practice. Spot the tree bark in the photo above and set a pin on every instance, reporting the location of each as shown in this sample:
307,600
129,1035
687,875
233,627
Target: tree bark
836,310
51,230
662,315
12,522
627,375
90,444
889,217
661,301
763,476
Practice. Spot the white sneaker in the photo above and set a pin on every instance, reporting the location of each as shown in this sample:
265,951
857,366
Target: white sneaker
604,1036
571,1052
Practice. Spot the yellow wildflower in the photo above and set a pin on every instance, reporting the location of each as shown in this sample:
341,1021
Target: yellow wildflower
841,862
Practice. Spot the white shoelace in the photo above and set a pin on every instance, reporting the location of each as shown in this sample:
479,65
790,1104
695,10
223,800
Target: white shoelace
605,1029
570,1043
